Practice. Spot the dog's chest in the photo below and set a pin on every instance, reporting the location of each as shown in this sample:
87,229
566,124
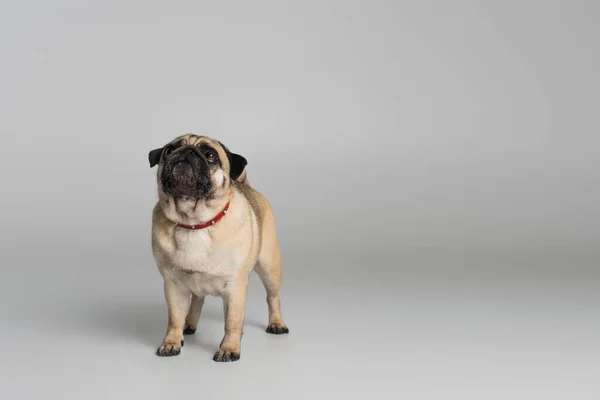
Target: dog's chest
195,251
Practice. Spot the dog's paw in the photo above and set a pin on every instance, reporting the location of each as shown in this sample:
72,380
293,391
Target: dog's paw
278,329
226,355
188,330
169,349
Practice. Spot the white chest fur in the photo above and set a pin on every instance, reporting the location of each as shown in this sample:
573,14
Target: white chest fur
197,261
196,251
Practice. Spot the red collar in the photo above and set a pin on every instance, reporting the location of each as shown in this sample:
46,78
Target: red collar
207,224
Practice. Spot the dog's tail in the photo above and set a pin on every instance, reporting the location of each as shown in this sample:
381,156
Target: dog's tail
243,178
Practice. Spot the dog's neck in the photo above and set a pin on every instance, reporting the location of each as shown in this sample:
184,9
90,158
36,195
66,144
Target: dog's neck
192,211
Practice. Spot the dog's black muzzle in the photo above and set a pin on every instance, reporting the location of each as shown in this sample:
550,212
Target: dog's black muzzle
186,173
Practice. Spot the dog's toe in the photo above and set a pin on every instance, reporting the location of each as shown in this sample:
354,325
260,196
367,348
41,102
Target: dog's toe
188,330
277,329
225,355
169,349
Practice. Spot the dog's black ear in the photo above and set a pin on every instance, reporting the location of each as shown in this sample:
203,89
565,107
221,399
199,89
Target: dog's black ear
237,163
154,156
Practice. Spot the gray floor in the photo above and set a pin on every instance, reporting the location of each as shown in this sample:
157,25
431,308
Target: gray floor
433,326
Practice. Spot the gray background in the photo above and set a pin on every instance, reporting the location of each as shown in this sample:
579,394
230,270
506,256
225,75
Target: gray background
433,167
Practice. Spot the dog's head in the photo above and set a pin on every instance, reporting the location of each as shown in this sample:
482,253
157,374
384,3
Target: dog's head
195,167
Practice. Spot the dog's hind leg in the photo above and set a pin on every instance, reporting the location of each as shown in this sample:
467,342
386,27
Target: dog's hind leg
191,321
268,268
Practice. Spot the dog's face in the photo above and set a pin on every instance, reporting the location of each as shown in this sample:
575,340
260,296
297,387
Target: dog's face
195,167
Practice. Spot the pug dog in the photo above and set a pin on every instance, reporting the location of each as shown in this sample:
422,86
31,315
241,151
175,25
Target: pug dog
210,230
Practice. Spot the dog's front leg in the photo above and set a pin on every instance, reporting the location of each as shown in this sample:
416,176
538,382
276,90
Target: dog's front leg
178,303
234,305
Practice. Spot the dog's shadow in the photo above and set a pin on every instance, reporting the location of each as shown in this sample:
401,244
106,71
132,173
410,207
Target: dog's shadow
146,323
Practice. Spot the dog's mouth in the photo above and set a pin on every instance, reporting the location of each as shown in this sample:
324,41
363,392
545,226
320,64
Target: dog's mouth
187,175
183,174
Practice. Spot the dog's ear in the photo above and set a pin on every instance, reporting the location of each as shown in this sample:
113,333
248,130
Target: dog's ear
237,163
154,156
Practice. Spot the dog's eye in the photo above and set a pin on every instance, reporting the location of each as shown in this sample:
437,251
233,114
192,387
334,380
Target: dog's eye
168,150
210,155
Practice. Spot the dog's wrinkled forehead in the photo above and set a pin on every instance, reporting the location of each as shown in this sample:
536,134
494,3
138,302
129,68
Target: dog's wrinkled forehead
195,140
200,141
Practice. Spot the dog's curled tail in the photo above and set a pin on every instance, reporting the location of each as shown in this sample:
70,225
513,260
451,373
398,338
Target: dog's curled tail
243,178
